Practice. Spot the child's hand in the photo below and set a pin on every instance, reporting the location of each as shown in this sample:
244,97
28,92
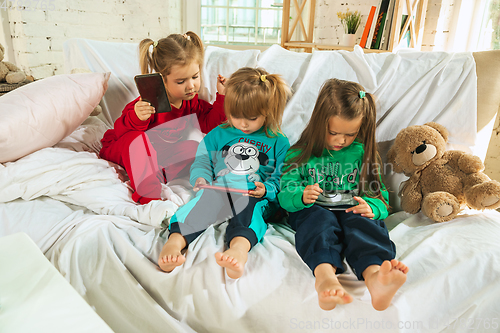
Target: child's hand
199,181
363,208
143,110
221,85
311,194
259,191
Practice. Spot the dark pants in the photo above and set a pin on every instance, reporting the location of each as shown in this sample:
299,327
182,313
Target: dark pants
246,214
324,236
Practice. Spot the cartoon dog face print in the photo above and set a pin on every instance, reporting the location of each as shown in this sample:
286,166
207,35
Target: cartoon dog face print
243,159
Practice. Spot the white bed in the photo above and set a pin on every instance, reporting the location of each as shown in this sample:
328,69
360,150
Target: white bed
79,212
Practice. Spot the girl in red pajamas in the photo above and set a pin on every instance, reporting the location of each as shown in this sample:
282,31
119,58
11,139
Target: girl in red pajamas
150,150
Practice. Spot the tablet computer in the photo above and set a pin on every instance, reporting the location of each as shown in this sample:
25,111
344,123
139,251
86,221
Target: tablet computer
223,188
152,90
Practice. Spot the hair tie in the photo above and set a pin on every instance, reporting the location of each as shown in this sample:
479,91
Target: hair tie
263,78
155,43
362,94
186,36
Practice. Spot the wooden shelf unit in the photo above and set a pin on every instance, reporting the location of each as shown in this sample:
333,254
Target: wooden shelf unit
414,24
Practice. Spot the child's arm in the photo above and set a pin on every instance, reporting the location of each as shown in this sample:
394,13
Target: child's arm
199,181
379,209
293,184
211,116
221,85
202,166
129,120
272,183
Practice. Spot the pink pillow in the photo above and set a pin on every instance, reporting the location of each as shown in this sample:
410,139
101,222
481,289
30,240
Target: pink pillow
40,114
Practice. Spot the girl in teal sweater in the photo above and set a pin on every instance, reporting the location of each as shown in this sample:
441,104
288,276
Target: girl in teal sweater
332,188
246,154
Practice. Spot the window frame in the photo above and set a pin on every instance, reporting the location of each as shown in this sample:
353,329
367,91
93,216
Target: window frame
192,22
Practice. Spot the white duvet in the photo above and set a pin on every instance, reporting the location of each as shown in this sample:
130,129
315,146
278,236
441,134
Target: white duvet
79,178
110,261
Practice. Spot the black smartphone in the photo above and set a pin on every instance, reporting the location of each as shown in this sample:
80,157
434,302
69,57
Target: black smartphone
152,90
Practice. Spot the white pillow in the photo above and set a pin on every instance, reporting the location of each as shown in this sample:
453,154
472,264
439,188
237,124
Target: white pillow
40,114
223,61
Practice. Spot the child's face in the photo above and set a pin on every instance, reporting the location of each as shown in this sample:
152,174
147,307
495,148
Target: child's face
183,83
248,126
341,132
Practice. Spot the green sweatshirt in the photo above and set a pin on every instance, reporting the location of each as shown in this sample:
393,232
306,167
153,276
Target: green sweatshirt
333,171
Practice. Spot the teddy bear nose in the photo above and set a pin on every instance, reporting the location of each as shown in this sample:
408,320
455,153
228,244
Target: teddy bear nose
421,148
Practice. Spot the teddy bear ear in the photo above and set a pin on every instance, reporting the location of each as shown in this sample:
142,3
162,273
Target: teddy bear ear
440,128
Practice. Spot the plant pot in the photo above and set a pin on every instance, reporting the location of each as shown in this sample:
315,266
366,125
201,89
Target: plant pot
349,40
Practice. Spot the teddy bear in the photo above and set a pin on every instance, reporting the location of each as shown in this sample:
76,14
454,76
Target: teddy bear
98,109
9,72
441,182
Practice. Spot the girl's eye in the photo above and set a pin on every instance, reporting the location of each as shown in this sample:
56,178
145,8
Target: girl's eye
180,82
195,77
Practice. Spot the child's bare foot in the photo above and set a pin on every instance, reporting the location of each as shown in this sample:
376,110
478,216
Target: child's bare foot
234,258
384,281
330,291
170,255
233,261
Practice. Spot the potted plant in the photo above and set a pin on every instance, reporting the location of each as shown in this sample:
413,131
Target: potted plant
350,21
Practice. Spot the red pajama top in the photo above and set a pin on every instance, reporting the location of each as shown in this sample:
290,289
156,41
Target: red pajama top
209,116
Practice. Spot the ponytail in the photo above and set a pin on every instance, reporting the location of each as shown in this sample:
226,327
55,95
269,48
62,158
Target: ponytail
279,93
196,40
174,50
145,57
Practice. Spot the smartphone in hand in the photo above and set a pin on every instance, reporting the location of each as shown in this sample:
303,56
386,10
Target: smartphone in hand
152,90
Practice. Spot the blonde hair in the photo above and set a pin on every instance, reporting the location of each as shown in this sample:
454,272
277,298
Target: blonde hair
349,101
253,92
174,50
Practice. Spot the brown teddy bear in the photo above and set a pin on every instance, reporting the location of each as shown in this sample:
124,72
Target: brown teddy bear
441,182
9,72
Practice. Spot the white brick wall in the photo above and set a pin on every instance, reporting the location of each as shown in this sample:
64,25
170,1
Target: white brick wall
327,27
38,35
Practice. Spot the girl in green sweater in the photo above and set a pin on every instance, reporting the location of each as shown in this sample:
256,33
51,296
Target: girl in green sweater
332,189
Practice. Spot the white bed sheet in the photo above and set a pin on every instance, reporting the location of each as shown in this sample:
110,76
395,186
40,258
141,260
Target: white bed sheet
110,260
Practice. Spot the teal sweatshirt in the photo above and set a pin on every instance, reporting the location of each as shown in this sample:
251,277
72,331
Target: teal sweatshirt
333,171
231,158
